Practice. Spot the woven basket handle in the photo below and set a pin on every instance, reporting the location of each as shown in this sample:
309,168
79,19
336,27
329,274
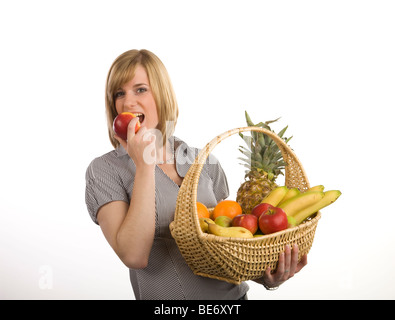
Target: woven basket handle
295,176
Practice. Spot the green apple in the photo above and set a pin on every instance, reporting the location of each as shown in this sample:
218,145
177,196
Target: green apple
223,221
291,222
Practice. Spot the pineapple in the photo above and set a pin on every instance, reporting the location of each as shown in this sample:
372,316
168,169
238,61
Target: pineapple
264,162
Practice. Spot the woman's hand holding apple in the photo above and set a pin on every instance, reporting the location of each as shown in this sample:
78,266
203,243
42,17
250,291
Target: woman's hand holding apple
139,145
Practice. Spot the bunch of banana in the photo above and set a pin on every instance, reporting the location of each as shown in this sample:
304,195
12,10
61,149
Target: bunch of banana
301,205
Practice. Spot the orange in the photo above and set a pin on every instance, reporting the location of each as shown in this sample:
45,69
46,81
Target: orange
202,210
227,208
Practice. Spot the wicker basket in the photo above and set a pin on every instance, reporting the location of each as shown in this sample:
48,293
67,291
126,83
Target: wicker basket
236,259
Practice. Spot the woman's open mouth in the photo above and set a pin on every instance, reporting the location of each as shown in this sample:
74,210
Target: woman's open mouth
140,116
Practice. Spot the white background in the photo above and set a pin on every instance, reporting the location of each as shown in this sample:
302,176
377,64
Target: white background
326,67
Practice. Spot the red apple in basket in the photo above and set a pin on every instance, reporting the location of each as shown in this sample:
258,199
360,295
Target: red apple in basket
260,208
272,220
121,122
247,221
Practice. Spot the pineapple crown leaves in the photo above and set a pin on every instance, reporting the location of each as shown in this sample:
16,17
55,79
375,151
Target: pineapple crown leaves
262,153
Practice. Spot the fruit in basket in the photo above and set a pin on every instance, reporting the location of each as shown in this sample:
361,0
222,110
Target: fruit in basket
264,163
290,194
234,232
223,221
273,220
204,222
291,222
316,188
275,196
258,234
247,221
121,123
229,208
329,197
202,210
260,208
301,201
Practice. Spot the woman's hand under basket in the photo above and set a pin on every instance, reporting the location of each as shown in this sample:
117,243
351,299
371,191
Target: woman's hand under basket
287,266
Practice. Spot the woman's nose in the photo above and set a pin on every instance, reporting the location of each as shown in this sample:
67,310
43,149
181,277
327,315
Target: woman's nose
130,100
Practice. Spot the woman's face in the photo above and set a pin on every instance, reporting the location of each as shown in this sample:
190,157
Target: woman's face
136,97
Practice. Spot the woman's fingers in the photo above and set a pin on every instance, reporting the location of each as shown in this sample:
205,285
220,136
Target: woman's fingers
281,265
288,262
287,266
132,128
130,133
294,260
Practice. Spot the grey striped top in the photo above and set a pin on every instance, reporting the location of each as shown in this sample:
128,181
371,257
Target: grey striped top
167,276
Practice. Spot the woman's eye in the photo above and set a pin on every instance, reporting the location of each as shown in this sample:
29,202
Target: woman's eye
118,94
141,90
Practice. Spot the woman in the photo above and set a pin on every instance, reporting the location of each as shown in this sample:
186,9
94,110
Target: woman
131,191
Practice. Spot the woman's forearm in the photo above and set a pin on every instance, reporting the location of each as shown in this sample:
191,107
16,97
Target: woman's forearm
136,234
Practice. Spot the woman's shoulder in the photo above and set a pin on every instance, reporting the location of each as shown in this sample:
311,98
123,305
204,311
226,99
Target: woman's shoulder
107,160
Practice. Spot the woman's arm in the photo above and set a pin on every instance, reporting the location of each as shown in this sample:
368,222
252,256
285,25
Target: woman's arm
130,229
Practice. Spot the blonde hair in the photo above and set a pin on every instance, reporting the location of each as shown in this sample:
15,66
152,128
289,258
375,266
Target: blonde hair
123,69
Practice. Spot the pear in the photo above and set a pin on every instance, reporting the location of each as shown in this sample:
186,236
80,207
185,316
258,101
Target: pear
234,232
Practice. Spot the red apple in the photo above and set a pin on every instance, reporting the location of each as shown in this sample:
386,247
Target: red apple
247,221
260,208
121,123
273,220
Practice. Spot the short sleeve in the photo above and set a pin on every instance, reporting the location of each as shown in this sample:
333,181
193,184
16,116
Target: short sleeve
218,177
103,185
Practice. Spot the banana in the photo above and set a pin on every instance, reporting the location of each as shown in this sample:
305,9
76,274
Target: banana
275,196
329,197
204,222
316,188
301,201
290,194
234,232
